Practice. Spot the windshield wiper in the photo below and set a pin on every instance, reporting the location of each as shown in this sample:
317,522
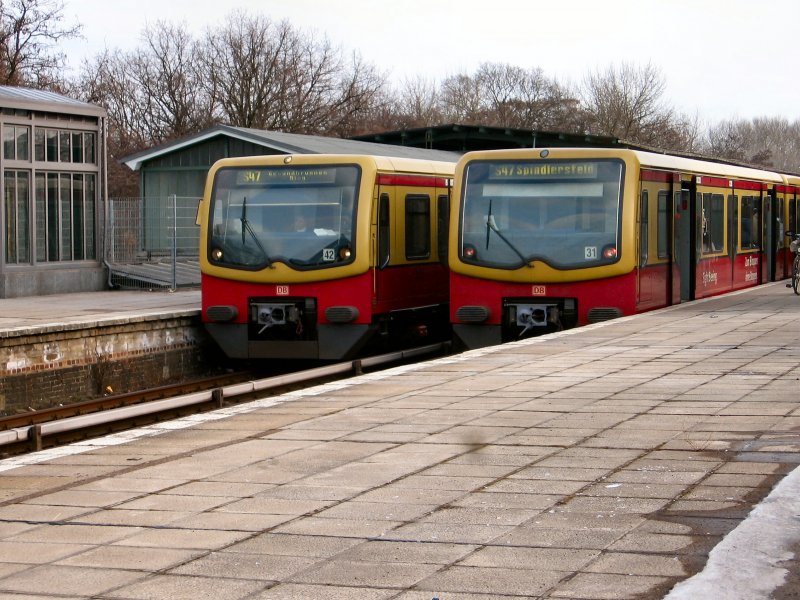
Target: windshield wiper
491,225
249,229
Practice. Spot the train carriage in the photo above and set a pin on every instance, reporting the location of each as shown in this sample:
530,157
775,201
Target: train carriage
319,256
545,239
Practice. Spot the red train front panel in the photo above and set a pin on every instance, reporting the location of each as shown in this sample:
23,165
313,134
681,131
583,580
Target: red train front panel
325,319
515,311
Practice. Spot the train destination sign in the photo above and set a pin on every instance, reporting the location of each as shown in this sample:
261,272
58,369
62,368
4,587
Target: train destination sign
285,176
548,170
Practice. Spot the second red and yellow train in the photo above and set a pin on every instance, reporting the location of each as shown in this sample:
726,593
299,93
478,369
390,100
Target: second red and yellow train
546,239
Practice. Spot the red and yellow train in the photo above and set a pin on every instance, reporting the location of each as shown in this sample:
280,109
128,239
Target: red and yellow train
545,239
319,256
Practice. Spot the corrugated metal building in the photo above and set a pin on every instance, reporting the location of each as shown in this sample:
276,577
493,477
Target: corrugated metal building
53,189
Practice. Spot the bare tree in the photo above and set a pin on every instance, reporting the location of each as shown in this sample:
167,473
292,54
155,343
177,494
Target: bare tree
242,67
461,99
359,92
686,134
167,72
269,75
508,96
29,32
626,102
515,97
106,81
151,95
417,104
769,142
727,139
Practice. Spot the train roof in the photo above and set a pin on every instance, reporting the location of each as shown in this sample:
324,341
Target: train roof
793,180
386,163
709,167
647,159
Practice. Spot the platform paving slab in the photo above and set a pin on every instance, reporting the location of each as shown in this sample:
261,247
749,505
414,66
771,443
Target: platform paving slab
599,463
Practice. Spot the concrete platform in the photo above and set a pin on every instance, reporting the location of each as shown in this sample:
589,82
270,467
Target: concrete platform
614,461
74,347
47,314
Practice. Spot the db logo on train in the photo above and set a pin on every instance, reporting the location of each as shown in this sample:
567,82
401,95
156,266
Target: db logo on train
539,290
281,290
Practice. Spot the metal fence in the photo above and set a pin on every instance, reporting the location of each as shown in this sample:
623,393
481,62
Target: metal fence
153,242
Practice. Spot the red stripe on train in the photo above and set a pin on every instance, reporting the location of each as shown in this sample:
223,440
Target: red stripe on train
412,180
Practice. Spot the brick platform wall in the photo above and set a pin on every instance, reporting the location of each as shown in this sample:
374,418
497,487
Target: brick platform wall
67,366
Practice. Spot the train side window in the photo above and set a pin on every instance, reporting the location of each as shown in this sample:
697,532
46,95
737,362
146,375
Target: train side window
644,221
383,230
418,227
713,223
749,228
442,226
662,233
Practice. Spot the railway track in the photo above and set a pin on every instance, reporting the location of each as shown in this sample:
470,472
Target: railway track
36,430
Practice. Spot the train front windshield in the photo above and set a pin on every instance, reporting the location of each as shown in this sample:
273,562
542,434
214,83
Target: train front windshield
565,213
300,215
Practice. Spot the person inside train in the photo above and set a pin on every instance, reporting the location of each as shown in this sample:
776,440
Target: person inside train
299,223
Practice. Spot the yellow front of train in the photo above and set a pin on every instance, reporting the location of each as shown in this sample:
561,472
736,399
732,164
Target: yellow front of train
285,241
288,252
538,237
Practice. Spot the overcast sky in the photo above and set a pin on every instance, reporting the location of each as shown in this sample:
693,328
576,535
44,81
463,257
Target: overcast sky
720,59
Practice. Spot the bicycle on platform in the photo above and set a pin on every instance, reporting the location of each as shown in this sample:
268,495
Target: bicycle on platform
794,245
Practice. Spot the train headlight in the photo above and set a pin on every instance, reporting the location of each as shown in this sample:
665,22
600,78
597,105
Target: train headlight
610,252
345,253
216,254
470,252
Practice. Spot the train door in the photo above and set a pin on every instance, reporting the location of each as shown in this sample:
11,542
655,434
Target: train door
779,227
658,279
733,234
781,265
686,239
408,271
791,225
674,243
772,226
